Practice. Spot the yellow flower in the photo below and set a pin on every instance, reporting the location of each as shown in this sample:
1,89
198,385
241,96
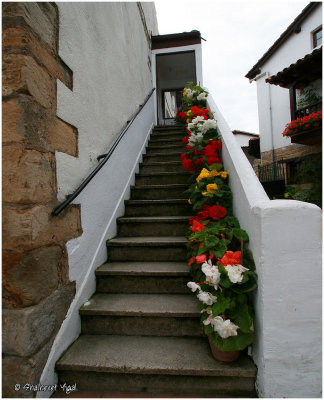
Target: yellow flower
203,174
204,193
188,120
189,201
184,93
211,187
189,112
213,173
223,174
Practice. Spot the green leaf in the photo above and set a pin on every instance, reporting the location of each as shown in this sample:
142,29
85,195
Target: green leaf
240,316
231,221
240,233
247,286
239,342
208,329
223,303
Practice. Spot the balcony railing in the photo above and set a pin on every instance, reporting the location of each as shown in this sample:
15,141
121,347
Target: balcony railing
275,171
303,112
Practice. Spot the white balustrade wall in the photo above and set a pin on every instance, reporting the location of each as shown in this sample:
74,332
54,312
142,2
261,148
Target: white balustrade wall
285,239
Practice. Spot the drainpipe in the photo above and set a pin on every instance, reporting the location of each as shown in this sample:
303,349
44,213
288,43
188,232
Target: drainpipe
271,125
267,74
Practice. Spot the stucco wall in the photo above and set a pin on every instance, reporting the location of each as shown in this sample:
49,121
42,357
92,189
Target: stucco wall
285,239
243,140
294,48
106,47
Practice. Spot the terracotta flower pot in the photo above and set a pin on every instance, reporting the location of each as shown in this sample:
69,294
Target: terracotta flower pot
224,356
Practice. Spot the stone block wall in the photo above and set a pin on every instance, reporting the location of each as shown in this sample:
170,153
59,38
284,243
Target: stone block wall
290,151
286,153
36,287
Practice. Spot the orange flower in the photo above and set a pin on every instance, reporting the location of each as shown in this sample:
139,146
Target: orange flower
201,259
196,226
230,258
191,261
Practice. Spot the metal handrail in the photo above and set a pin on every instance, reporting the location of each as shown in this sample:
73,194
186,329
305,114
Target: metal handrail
105,157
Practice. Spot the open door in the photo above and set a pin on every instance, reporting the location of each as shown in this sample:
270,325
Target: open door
173,71
171,103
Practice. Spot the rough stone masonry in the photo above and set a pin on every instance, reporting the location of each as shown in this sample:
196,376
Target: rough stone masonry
36,287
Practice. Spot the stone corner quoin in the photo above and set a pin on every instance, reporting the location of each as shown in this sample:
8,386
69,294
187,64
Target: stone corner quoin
36,288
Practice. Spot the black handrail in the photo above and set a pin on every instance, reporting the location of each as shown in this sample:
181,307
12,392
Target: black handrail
105,157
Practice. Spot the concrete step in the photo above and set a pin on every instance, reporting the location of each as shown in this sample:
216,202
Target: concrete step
165,140
153,226
153,167
170,128
155,365
162,157
162,178
178,135
159,192
137,208
141,314
143,277
144,248
158,149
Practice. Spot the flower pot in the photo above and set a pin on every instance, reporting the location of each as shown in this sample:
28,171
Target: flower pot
224,356
308,137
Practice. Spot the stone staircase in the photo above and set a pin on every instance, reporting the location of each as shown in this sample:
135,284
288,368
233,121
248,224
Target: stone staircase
140,330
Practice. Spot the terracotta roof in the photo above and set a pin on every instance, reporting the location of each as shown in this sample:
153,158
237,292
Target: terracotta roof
294,27
176,39
236,132
304,70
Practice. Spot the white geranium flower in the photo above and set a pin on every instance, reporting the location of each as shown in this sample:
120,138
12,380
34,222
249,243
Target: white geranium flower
206,298
202,96
189,93
193,286
209,124
210,316
235,272
195,138
212,273
225,329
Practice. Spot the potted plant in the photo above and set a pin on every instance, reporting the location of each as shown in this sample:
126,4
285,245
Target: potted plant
306,130
222,268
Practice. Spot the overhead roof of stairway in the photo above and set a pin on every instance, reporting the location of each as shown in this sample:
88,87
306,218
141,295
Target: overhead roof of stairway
176,40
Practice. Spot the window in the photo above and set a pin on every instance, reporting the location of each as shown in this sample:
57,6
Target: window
317,37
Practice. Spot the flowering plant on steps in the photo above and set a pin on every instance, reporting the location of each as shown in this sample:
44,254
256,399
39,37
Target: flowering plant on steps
222,267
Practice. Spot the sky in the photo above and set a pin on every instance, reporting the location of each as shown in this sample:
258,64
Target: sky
238,33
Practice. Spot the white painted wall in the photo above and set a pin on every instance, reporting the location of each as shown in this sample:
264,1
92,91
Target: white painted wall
295,47
105,45
285,239
243,140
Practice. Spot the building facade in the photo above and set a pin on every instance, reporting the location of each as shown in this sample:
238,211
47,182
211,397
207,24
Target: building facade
301,38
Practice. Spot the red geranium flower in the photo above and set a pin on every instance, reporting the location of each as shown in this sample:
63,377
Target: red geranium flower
191,261
230,258
213,160
183,115
201,259
188,164
196,226
214,211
